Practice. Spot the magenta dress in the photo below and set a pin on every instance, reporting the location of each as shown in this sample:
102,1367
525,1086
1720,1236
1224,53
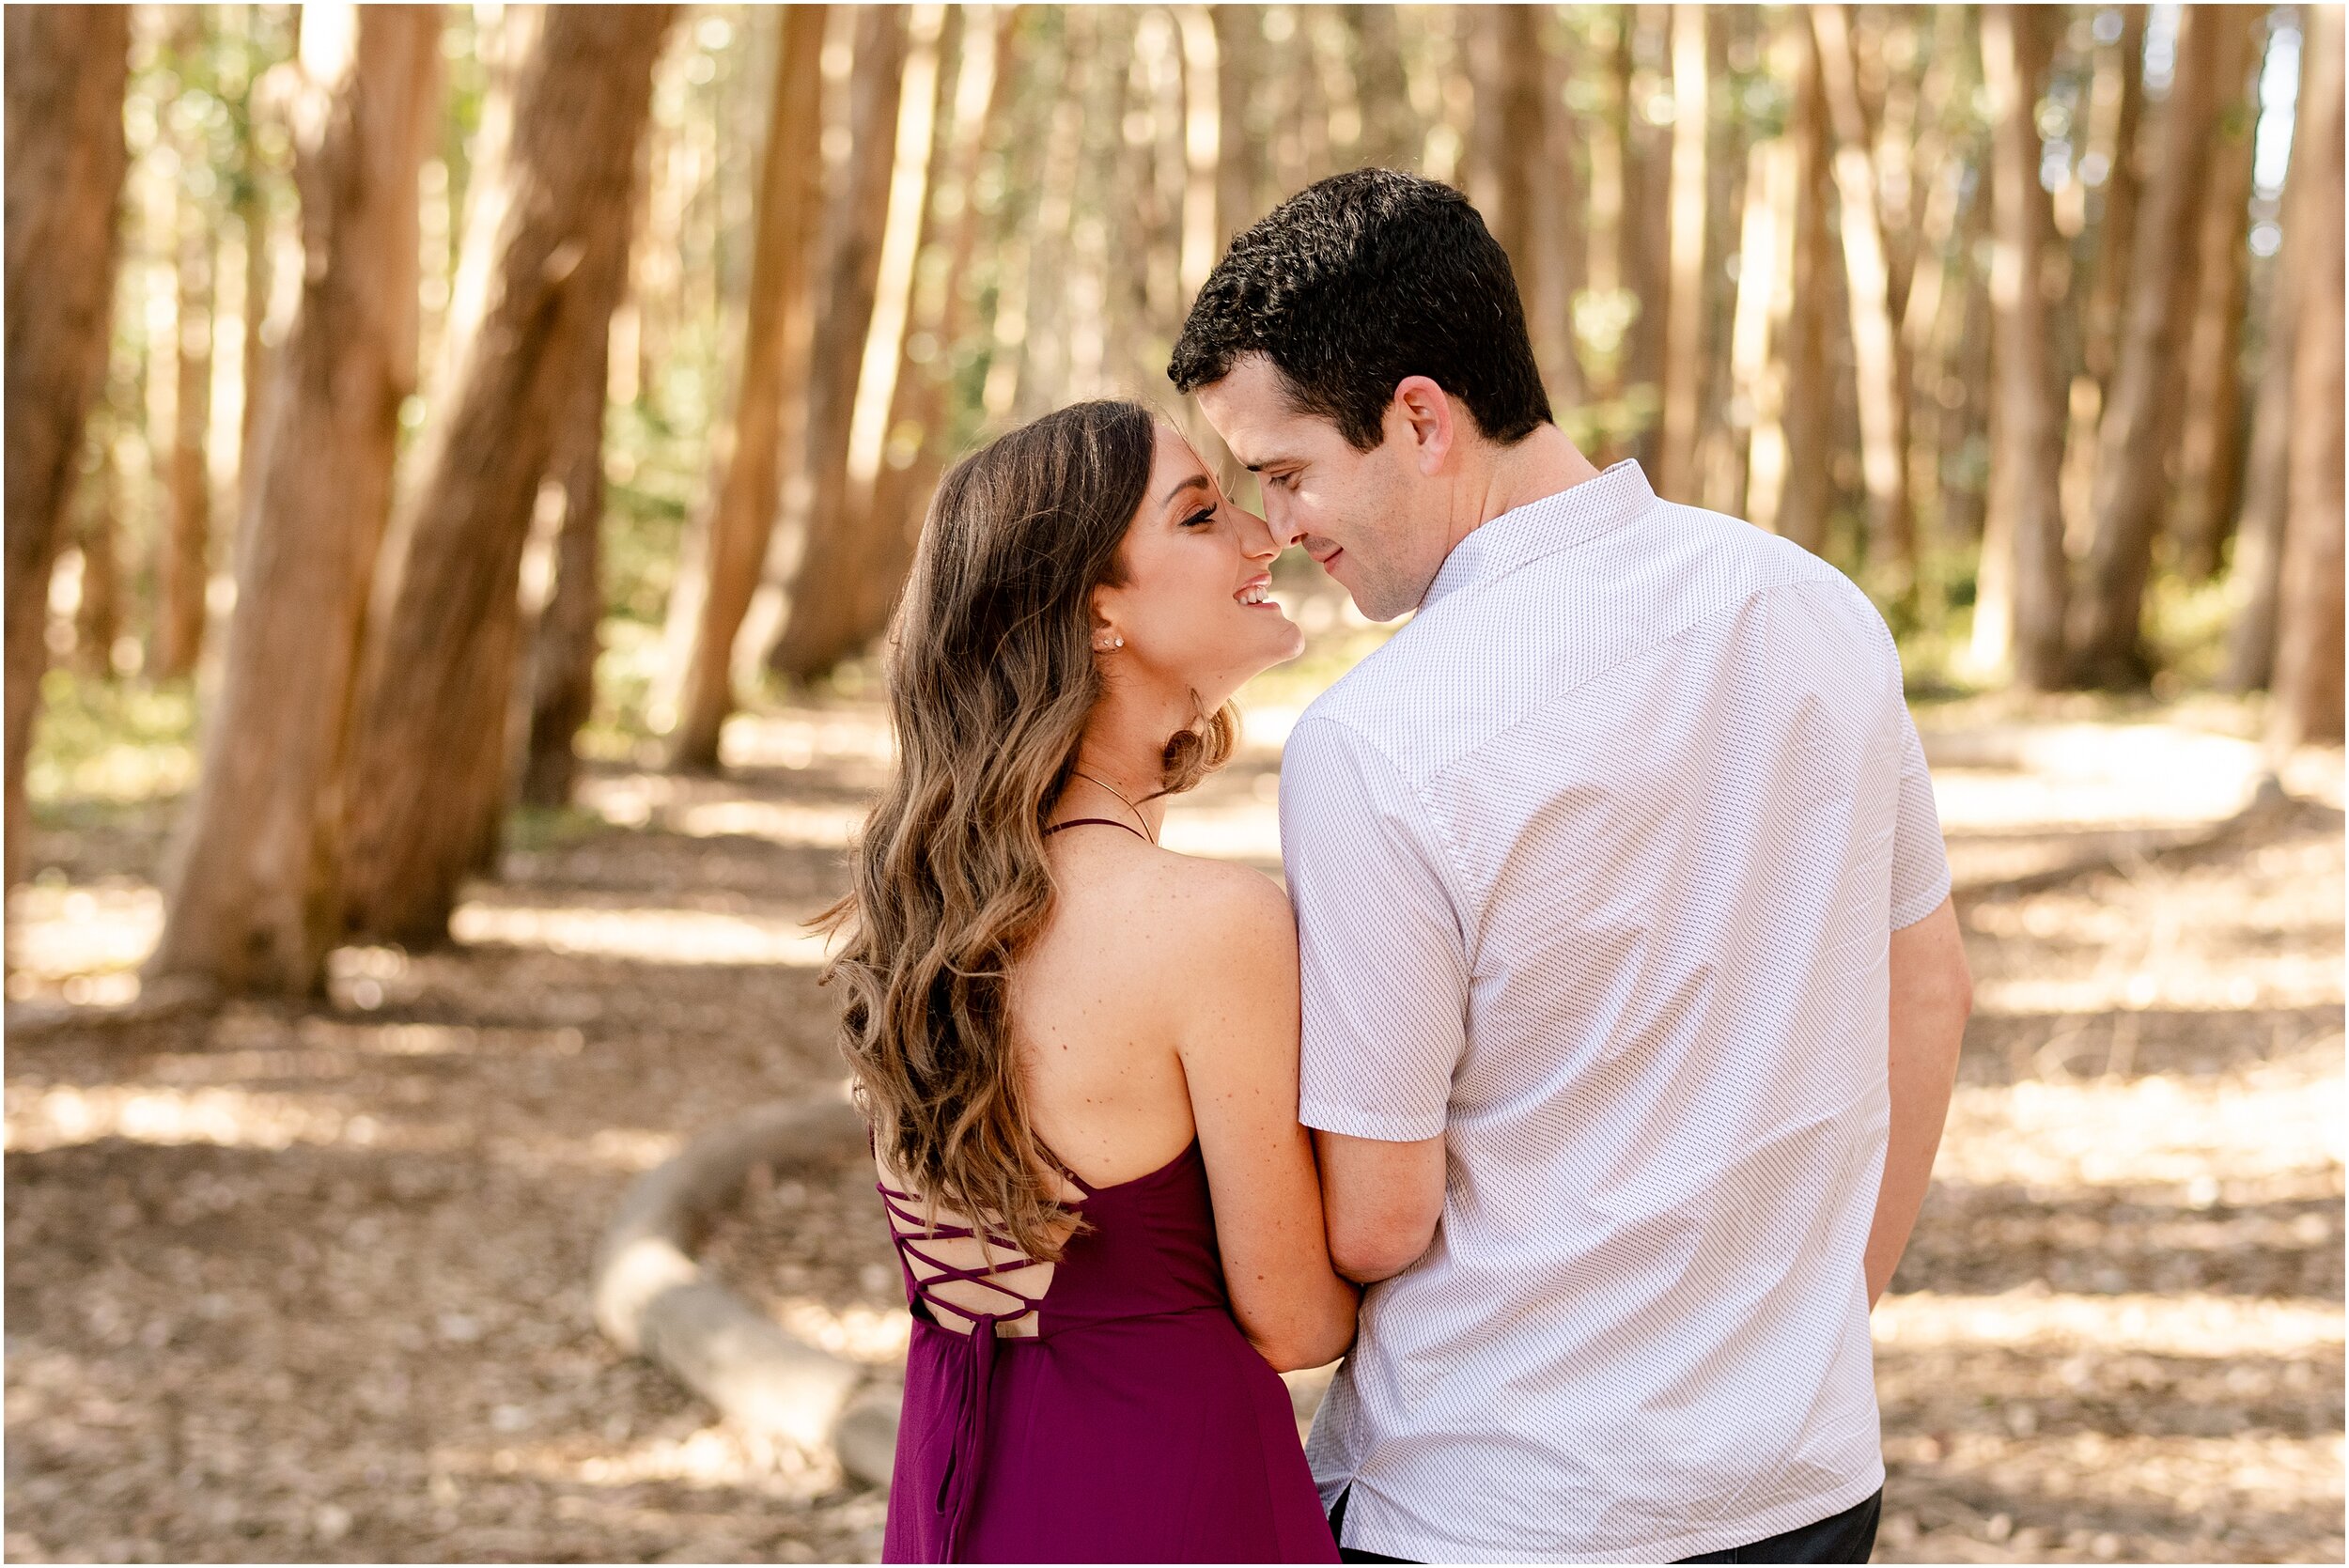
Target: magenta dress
1136,1426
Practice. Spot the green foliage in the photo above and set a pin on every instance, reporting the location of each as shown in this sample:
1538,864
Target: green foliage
111,742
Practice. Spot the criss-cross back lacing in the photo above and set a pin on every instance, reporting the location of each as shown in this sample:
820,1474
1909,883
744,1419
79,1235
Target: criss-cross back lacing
919,1237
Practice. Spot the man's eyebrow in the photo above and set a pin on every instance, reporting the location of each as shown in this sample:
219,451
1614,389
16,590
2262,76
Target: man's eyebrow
1201,480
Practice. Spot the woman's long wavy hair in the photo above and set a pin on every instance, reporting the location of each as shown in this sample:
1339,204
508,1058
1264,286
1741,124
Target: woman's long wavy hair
992,675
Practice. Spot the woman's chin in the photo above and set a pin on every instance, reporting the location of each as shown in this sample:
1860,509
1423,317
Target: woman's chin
1280,649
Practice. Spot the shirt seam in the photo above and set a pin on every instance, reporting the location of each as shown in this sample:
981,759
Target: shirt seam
1445,848
1833,583
1580,541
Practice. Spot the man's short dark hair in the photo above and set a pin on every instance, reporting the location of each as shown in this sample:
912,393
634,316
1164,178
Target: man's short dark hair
1359,281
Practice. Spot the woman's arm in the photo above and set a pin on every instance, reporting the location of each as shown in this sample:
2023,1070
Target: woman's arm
1238,1052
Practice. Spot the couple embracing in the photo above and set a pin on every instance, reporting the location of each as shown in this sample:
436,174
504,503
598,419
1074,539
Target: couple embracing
1581,1092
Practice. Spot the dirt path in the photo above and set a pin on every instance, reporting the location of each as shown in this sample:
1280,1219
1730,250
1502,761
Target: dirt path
309,1282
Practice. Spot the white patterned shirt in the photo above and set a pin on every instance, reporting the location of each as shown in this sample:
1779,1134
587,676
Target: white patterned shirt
1595,865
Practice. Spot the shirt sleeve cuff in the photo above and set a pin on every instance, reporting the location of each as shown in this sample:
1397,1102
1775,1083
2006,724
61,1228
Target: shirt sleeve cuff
1353,1122
1908,912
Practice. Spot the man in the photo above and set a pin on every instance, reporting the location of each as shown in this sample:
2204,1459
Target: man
1632,988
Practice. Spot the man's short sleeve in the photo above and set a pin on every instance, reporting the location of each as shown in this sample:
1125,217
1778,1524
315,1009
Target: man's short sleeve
1920,866
1380,936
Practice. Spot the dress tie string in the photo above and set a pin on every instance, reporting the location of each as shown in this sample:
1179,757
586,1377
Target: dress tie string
960,1483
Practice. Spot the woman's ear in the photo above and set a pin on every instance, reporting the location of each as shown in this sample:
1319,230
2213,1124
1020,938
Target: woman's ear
1106,637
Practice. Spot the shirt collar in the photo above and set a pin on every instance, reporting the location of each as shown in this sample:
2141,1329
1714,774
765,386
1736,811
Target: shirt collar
1500,545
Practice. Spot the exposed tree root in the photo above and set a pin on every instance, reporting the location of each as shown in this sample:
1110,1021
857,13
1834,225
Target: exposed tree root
654,1300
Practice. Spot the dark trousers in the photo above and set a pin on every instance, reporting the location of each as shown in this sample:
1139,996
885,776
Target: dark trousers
1846,1537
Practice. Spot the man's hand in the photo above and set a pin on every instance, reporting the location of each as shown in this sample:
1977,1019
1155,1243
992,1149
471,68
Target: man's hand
1383,1201
1932,994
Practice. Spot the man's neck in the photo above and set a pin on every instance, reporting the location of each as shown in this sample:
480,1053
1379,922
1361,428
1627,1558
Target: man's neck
1543,465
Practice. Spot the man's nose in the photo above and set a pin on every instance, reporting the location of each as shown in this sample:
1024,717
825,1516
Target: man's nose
1277,527
1259,538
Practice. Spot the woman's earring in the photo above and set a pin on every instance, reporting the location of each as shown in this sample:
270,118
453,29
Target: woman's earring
1115,642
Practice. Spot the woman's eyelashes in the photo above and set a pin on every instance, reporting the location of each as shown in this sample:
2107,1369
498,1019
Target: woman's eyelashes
1200,519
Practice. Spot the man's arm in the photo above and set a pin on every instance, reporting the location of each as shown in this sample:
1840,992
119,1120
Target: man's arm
1932,993
1380,1200
1385,978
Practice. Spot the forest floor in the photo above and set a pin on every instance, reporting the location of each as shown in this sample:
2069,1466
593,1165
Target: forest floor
308,1282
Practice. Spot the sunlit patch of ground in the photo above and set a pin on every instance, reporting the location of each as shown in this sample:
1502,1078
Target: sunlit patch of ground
307,1281
2118,1334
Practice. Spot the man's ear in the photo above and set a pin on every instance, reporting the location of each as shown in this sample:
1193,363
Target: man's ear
1421,414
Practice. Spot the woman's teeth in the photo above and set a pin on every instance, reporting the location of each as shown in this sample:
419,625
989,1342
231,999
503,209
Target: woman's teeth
1255,593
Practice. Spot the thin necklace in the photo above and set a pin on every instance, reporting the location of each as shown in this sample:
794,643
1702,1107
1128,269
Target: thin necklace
1122,801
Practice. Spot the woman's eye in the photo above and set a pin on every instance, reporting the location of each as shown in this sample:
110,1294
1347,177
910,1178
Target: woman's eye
1200,519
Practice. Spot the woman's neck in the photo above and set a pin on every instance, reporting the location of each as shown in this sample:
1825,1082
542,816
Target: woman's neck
1121,760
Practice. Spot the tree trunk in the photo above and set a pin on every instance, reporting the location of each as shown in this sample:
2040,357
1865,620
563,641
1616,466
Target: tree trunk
2266,481
1390,135
1648,230
1810,388
505,47
918,414
1523,180
2257,562
252,206
430,748
741,520
816,631
2309,648
1239,151
186,564
561,690
2210,453
1202,141
1762,319
1685,290
2123,181
98,620
2117,111
67,66
2142,411
253,887
1033,339
1937,180
1881,369
2018,603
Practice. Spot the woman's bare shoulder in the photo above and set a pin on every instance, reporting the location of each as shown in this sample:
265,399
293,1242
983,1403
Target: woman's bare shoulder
1226,914
1186,899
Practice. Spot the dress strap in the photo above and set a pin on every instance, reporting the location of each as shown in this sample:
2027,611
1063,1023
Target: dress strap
1095,822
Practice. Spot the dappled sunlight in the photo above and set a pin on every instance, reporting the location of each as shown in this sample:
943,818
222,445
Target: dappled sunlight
652,936
41,1119
2104,776
2211,1499
359,1225
874,1336
795,825
1248,829
60,934
797,739
699,808
2031,1317
2154,1130
714,1456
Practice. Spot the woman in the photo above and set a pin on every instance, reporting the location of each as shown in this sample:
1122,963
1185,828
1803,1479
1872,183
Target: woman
1085,1040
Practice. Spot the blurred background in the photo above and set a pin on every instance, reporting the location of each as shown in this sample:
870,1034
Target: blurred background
461,460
